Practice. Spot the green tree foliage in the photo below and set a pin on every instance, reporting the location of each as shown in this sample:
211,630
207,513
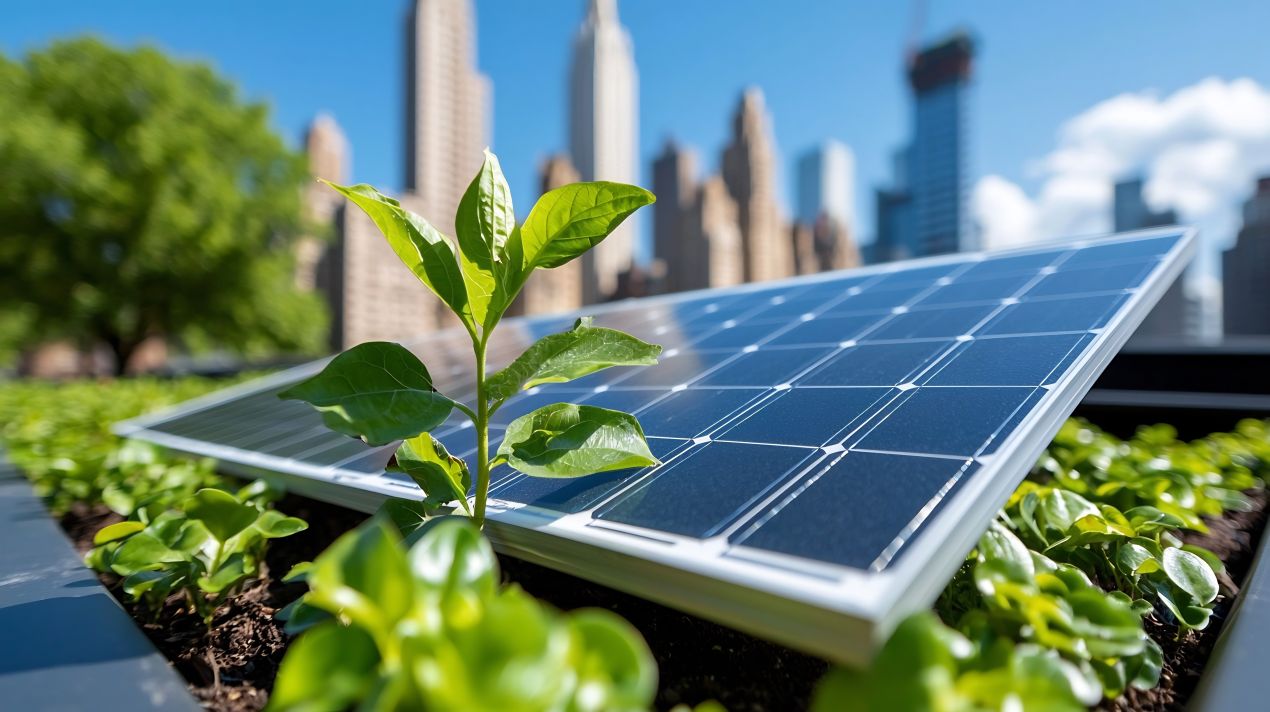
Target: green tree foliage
142,196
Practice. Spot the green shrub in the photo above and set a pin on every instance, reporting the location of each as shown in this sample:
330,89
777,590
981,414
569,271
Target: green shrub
392,625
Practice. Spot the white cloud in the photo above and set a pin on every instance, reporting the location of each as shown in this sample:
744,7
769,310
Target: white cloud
1199,148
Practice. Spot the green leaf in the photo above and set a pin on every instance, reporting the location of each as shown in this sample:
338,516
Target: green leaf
326,669
222,513
273,524
568,221
298,573
454,561
483,223
365,576
407,515
1209,557
116,531
231,572
566,440
557,358
1134,559
1062,508
1000,544
1191,574
442,477
613,663
428,254
1187,615
377,391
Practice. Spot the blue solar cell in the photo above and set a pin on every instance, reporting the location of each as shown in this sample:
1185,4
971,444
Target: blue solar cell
951,421
695,411
683,367
1091,279
932,323
739,335
575,495
876,364
706,489
1127,250
978,290
765,367
1050,315
1006,361
830,330
923,276
875,299
876,497
995,266
809,416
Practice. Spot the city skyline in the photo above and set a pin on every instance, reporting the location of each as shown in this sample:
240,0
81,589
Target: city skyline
1037,91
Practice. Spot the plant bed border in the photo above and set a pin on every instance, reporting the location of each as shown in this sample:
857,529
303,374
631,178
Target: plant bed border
74,646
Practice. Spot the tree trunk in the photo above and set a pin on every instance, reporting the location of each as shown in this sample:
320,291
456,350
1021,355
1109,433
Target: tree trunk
123,350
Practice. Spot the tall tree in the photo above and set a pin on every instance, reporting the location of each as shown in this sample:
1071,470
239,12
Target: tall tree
141,197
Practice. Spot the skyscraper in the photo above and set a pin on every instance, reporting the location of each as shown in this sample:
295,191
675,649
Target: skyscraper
447,107
749,170
711,252
1246,270
327,151
925,211
1168,318
675,185
826,183
558,289
604,131
372,296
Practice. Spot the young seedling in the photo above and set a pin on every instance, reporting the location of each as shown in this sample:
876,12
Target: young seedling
381,392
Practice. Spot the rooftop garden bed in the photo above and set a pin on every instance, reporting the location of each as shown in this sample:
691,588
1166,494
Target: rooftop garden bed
1129,502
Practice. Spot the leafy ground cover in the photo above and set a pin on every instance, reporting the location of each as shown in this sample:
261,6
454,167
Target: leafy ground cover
1091,586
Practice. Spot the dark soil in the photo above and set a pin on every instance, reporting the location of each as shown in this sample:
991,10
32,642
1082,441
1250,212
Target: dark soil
232,668
1234,539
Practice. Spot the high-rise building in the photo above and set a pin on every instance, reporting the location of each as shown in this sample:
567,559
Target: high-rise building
1246,270
823,245
447,107
675,185
327,151
711,251
550,291
1168,319
604,132
925,211
749,170
372,296
826,183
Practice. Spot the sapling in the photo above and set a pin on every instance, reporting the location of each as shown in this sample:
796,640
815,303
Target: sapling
381,392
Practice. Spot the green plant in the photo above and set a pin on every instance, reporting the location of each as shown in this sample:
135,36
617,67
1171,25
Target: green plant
1135,552
205,550
1048,611
424,624
381,392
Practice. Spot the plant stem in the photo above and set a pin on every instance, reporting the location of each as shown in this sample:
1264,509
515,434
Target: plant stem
482,434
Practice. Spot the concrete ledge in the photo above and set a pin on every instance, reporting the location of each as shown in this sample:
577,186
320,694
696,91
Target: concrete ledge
67,644
1235,677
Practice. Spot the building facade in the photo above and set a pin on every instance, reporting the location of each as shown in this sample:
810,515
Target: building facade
371,294
550,291
604,132
1170,317
676,187
826,182
1246,270
749,171
447,107
926,210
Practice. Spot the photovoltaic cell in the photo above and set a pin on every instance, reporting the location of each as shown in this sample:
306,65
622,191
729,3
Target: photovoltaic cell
829,447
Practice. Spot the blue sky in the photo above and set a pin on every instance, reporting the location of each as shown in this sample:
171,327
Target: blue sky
829,69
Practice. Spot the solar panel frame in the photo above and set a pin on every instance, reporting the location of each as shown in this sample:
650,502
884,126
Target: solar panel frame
835,611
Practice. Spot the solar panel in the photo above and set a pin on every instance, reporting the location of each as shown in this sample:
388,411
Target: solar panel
830,446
